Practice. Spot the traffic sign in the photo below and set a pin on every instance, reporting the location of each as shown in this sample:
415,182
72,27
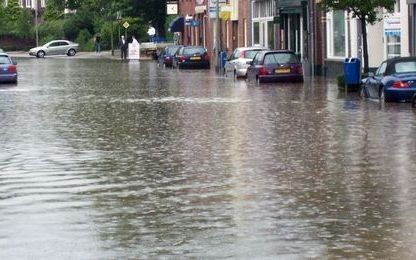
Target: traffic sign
126,24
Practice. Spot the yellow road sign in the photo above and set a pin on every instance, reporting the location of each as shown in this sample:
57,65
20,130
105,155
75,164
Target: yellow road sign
126,24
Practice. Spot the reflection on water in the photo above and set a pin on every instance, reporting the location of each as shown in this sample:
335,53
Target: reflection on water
108,160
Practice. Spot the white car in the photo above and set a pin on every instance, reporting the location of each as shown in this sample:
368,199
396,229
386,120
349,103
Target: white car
236,66
59,47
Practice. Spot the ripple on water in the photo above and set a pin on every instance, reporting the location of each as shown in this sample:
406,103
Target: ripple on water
127,162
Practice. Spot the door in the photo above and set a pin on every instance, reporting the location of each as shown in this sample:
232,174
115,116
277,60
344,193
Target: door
292,33
234,44
373,85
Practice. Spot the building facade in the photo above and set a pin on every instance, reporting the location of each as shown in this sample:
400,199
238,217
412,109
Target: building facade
386,39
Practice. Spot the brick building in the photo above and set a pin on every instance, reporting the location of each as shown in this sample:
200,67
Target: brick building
200,23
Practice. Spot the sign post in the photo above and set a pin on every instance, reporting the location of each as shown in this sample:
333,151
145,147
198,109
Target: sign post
126,25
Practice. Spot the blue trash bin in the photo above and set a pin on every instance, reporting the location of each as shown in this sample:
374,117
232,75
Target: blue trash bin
223,59
352,71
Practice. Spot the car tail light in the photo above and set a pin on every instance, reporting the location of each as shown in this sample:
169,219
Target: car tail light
400,84
298,69
242,54
181,58
206,57
12,69
263,71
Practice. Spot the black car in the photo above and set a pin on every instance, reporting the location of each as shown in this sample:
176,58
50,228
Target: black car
191,57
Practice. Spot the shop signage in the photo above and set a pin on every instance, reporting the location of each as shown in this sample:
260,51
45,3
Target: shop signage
392,25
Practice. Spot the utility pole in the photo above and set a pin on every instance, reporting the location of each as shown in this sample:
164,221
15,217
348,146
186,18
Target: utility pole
217,35
36,23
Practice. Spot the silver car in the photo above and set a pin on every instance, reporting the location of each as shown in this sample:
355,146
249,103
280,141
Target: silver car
60,47
236,66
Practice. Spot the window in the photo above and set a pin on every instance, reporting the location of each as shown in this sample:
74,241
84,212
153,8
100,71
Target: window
393,45
404,67
336,34
256,33
280,58
256,59
382,69
250,54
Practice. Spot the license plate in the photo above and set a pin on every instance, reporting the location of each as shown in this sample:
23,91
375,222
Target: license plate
279,71
195,58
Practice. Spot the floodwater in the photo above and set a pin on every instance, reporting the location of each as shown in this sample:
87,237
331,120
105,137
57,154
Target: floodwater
107,160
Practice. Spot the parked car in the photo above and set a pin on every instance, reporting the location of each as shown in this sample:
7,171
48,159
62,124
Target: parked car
191,57
8,68
60,47
277,65
236,66
165,58
394,80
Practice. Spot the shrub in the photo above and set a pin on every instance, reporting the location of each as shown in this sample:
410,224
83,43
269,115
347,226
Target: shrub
85,40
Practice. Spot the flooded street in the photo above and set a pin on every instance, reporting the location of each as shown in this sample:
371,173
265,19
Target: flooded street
107,160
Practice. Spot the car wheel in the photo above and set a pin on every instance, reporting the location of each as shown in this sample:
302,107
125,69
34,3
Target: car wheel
71,52
382,96
363,92
40,54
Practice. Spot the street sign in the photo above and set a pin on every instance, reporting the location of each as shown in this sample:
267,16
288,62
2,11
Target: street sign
126,24
213,7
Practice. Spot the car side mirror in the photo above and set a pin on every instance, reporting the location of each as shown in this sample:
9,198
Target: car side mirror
371,74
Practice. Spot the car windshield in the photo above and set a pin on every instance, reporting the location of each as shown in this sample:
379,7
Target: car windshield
405,66
172,50
280,58
4,59
193,51
250,54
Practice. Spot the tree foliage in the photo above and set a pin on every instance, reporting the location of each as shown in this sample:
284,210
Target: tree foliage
367,11
91,17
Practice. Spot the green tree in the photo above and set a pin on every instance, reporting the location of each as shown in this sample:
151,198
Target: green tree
13,10
152,11
366,11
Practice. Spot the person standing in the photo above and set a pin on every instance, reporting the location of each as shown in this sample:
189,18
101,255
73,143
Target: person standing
123,44
98,43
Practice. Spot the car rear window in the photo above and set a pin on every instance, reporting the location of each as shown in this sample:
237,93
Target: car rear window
405,66
192,51
4,59
280,58
250,54
171,50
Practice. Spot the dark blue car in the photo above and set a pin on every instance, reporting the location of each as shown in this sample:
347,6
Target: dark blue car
8,69
394,81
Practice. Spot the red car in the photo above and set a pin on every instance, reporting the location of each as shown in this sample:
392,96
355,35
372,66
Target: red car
273,66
